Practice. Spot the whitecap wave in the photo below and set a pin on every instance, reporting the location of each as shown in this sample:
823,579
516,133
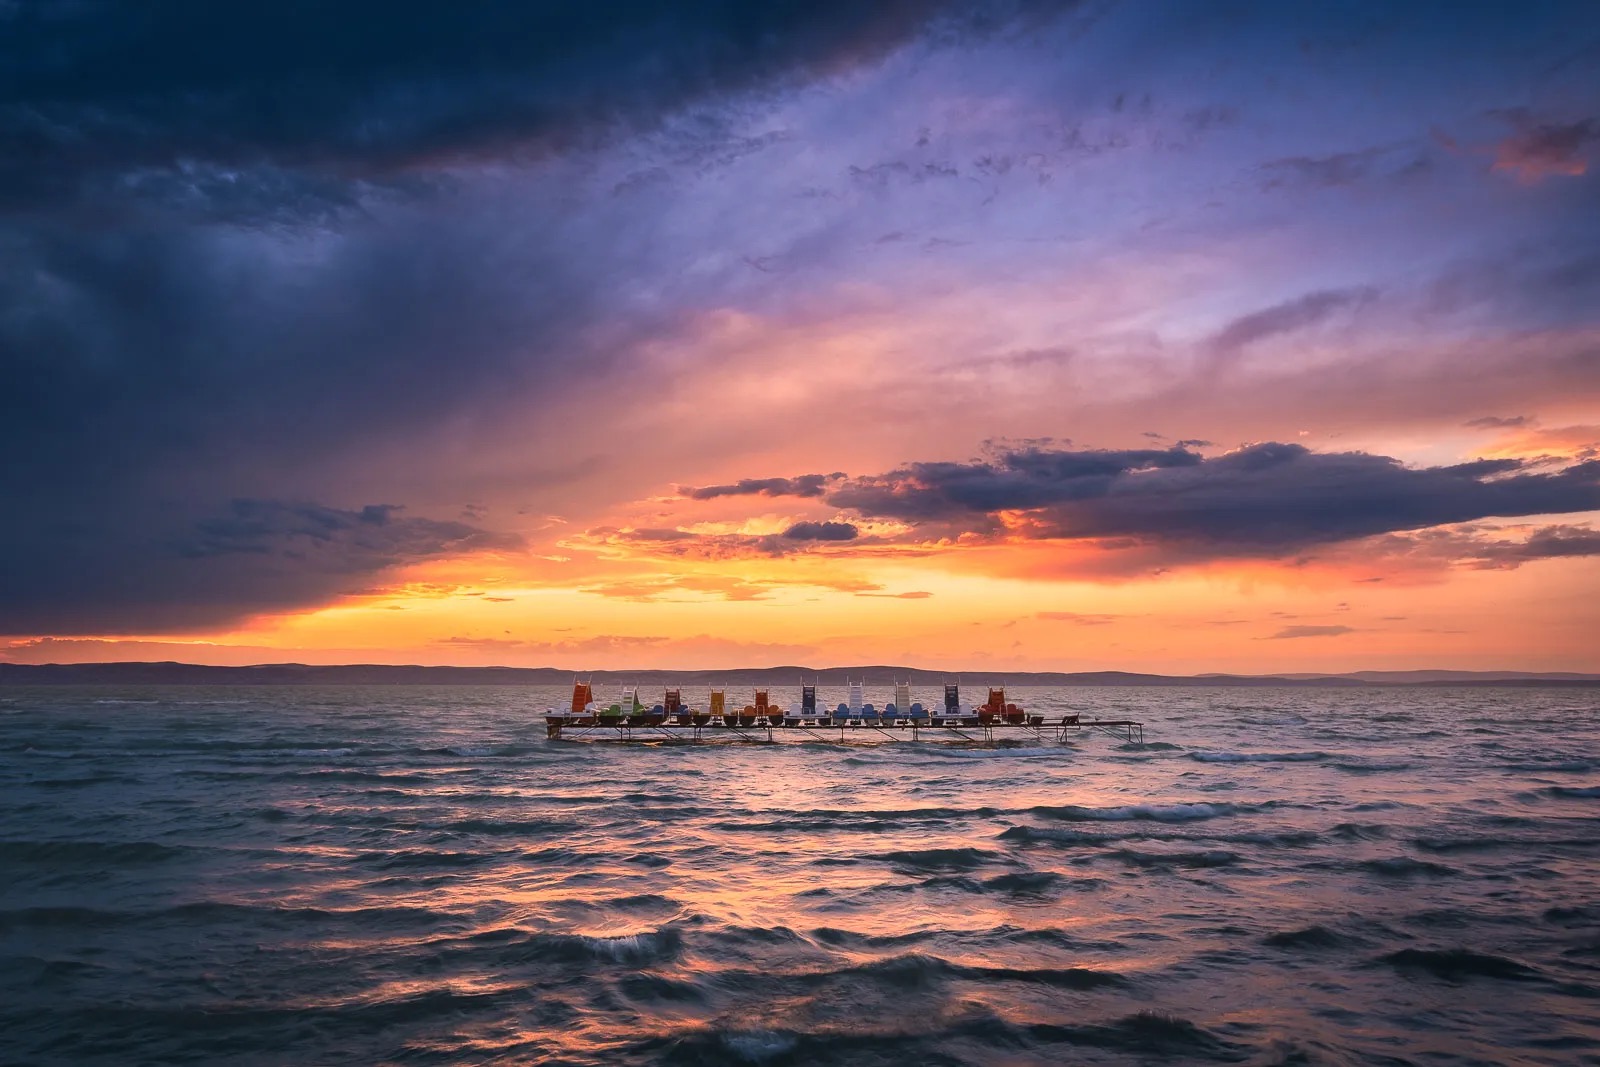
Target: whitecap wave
1152,812
1258,757
758,1045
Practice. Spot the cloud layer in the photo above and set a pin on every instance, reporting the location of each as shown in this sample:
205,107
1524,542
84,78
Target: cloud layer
255,109
513,270
254,251
1266,500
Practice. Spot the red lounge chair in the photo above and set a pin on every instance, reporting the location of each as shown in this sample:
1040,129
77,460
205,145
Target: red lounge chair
994,709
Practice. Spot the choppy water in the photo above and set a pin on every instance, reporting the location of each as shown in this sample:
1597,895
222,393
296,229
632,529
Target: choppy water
415,875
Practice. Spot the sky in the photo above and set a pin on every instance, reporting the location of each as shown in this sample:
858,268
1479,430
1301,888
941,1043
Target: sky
1174,337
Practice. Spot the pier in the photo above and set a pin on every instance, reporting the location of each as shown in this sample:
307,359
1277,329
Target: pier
764,722
1057,731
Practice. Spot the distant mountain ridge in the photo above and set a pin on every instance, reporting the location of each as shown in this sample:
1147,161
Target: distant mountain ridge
171,673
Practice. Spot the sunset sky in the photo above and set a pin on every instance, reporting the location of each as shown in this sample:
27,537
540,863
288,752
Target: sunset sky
1173,337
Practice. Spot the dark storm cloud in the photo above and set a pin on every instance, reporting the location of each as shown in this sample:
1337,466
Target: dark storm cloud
653,533
150,376
340,542
1014,480
1485,547
188,98
804,486
1280,496
1265,500
266,554
1292,315
1559,542
822,531
233,257
673,543
1549,542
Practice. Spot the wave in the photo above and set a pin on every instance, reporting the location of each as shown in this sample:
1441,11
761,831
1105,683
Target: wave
237,915
649,947
1207,858
659,989
243,1024
1561,767
79,783
1145,1035
1311,937
387,778
1572,792
411,859
915,970
825,820
1458,964
509,827
1446,845
563,799
1485,844
1151,812
1063,836
643,902
1289,719
1287,839
512,946
939,859
53,975
1405,867
1351,766
1023,882
850,939
1080,978
1258,757
959,882
1058,836
107,853
818,903
535,752
1001,750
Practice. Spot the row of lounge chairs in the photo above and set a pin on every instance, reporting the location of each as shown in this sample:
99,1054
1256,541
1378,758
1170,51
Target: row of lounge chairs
761,712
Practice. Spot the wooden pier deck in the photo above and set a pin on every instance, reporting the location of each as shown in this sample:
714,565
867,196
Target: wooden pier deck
636,728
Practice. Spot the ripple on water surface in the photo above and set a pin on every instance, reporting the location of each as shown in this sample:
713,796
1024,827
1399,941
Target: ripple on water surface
360,875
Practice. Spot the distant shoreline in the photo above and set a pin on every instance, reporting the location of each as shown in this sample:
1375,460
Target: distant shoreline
169,673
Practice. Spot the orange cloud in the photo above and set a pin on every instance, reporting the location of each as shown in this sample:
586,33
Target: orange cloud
1542,150
1565,443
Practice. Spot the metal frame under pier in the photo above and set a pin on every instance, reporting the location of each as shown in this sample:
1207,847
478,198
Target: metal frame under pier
675,733
1127,730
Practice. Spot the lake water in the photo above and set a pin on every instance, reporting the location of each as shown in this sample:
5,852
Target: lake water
416,875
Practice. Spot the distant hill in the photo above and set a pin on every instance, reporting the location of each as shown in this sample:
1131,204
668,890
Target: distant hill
1413,677
390,674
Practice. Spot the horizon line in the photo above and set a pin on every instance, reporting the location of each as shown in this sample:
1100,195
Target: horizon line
1485,674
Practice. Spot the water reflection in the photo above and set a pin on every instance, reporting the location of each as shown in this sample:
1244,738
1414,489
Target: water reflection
370,874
